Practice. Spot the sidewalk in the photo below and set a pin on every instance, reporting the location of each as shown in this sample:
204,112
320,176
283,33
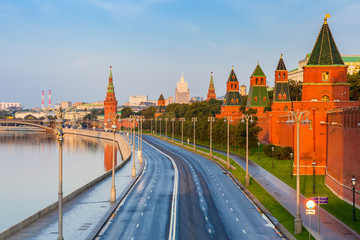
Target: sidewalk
86,213
330,227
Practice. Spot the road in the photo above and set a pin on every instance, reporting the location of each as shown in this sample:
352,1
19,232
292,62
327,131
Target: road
208,204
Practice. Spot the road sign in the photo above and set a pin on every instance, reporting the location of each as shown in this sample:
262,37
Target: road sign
310,211
320,200
310,204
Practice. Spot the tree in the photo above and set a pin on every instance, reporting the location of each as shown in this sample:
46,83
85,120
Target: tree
354,91
126,112
295,89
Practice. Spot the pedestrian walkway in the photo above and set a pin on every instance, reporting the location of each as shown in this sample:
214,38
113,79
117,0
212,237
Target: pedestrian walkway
86,213
330,227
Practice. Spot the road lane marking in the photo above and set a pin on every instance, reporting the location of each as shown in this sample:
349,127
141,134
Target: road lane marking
173,217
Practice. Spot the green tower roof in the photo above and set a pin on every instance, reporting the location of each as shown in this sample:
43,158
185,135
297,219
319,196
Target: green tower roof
325,51
110,88
161,97
258,97
232,76
258,72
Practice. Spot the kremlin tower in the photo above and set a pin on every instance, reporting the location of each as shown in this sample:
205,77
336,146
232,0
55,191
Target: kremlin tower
324,88
258,97
233,100
161,109
211,90
110,103
281,99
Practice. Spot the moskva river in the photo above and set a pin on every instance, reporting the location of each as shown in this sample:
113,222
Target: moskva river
29,170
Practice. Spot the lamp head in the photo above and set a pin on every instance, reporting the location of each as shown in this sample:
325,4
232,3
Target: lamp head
272,148
59,122
353,181
258,143
251,120
242,120
291,155
313,164
46,121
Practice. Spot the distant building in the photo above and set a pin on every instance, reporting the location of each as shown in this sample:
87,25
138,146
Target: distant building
137,100
243,90
169,100
352,61
211,90
9,105
65,105
182,93
196,99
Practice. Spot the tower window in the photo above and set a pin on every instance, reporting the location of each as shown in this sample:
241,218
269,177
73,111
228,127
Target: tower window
284,96
279,76
279,97
283,75
255,99
325,98
325,76
285,108
262,80
256,81
264,99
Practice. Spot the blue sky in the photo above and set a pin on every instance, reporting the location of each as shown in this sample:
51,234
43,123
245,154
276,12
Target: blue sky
67,46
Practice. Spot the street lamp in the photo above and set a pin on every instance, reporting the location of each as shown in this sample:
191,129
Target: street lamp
272,156
151,124
291,165
133,119
298,117
59,127
182,131
194,119
228,119
243,118
211,120
258,151
173,120
113,190
160,119
142,119
353,181
166,120
314,166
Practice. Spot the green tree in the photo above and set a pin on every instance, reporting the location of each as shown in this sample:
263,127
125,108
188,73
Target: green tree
295,89
126,112
354,91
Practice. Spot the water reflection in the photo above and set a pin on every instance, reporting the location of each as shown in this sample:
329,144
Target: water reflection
29,170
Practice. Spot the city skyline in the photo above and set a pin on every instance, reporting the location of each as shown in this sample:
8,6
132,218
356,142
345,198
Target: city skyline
55,46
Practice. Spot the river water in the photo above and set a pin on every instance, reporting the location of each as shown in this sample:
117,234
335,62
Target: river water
29,165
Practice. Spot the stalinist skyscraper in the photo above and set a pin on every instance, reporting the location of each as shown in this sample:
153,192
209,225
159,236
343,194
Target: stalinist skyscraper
182,93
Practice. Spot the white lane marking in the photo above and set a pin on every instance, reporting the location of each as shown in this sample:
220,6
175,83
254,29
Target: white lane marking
142,213
237,219
231,209
244,231
173,218
137,225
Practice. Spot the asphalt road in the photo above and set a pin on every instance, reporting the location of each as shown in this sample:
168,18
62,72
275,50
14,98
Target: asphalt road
208,204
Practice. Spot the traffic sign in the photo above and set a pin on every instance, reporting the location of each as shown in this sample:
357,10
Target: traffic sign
310,211
320,200
310,204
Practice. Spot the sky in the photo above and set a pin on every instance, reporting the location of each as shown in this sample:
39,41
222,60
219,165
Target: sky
67,46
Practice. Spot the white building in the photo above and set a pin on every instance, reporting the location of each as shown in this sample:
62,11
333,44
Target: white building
352,61
182,92
137,100
6,105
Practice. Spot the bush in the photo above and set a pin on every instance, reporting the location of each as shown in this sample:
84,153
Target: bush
279,152
267,149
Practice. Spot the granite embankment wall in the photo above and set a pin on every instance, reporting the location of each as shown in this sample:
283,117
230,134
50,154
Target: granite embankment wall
125,151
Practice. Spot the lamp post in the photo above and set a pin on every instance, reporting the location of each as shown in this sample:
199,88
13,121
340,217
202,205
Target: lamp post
247,117
166,120
151,121
298,117
353,181
142,119
314,166
160,119
291,165
228,119
258,151
155,126
172,120
182,131
211,120
59,127
194,119
133,119
272,156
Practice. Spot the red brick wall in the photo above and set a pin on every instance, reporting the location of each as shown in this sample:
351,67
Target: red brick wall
343,153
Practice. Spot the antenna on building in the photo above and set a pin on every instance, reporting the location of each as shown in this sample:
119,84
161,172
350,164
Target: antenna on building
42,100
49,98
